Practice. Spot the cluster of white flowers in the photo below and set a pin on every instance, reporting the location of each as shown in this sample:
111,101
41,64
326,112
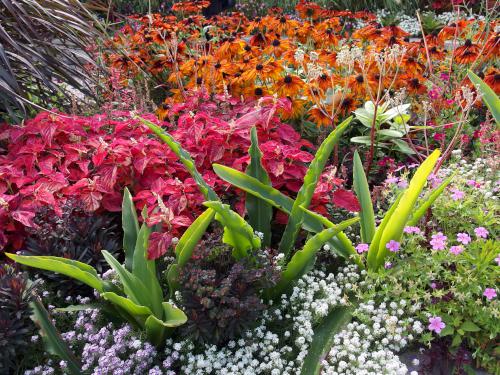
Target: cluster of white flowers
348,55
368,346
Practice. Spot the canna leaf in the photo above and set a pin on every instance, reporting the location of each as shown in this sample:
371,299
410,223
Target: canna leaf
138,312
323,337
394,228
130,225
362,191
133,287
71,268
237,232
277,199
259,211
158,329
490,98
306,192
191,237
52,338
427,203
145,270
184,157
302,259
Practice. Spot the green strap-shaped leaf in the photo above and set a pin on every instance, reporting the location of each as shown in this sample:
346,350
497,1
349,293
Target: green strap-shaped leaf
490,98
184,157
394,228
306,192
362,191
130,225
323,337
237,232
145,270
134,288
302,259
371,257
157,329
173,272
138,312
427,202
71,268
341,243
52,338
259,211
191,237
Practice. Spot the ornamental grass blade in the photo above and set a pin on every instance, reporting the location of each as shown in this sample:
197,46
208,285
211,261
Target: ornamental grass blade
71,268
394,228
490,98
323,337
340,243
303,259
428,201
237,232
54,343
184,157
306,192
362,191
130,225
259,211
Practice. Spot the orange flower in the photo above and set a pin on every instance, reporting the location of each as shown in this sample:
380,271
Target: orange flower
414,84
308,10
492,78
290,85
356,84
467,53
319,117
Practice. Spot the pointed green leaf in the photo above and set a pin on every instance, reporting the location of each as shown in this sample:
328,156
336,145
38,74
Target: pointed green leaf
323,337
52,338
130,225
184,157
469,326
306,192
71,268
259,211
192,236
490,98
427,202
157,329
253,186
173,272
394,228
362,191
138,312
297,266
237,232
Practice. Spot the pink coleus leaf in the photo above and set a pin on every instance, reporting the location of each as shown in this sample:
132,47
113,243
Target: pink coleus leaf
346,199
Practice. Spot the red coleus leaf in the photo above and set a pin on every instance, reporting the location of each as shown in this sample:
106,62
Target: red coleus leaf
24,217
346,199
159,244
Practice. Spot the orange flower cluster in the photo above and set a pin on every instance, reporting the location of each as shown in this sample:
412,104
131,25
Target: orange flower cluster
325,66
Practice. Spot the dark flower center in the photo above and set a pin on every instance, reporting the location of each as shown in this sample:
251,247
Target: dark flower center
288,79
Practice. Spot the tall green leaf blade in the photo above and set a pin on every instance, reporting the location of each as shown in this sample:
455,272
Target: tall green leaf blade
490,98
300,261
237,232
158,329
145,269
191,237
184,157
398,220
259,211
67,267
362,191
427,202
130,225
52,338
306,192
138,312
134,288
323,337
277,199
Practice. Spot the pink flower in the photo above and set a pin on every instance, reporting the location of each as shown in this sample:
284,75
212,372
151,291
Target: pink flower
497,259
463,238
457,194
387,265
436,324
438,241
362,248
455,250
392,246
473,183
490,293
411,230
481,232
